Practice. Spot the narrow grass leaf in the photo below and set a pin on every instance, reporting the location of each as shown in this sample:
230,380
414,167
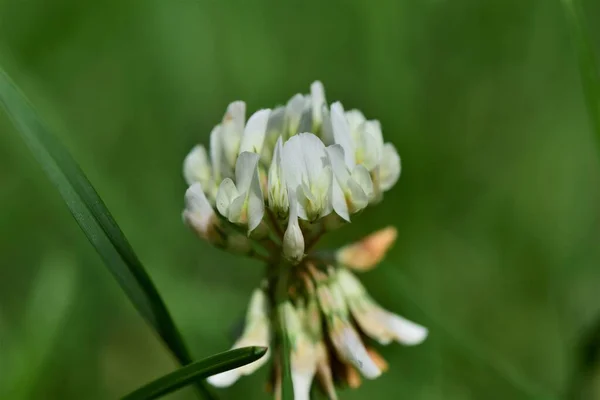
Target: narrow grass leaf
588,63
197,370
93,217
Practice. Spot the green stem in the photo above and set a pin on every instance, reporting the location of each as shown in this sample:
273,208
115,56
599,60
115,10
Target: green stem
281,294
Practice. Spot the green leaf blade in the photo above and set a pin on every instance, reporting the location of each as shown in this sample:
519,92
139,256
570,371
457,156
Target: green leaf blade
587,59
93,217
198,370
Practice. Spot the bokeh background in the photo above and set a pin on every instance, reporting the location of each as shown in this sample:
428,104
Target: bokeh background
497,207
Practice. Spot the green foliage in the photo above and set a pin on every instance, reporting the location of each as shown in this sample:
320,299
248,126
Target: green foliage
199,369
497,208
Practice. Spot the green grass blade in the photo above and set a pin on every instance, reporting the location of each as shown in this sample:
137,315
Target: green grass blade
468,346
588,63
92,216
198,370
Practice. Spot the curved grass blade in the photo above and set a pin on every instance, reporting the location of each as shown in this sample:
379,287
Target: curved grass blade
197,370
588,63
93,217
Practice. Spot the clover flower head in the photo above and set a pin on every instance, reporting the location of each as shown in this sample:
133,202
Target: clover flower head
270,187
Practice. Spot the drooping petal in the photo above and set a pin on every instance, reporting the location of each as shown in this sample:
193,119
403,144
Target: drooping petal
369,251
302,381
375,321
389,170
255,131
405,331
341,133
303,357
256,333
293,240
351,349
196,167
345,339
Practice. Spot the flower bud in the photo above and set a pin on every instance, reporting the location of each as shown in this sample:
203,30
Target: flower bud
375,321
200,215
293,240
196,167
368,252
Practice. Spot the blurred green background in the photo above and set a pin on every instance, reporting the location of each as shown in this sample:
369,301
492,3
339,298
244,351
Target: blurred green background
497,207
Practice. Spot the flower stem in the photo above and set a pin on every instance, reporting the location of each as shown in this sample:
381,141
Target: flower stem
281,293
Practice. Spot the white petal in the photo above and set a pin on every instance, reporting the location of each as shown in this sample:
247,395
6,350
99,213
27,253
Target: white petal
276,185
306,122
275,128
224,379
302,382
198,211
362,177
232,128
256,202
293,240
220,168
226,194
369,148
355,119
353,350
293,112
255,131
245,168
317,96
405,331
340,170
326,128
196,167
339,201
341,133
390,168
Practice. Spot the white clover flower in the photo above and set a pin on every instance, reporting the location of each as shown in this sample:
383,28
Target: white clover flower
242,203
307,171
256,333
272,186
293,240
